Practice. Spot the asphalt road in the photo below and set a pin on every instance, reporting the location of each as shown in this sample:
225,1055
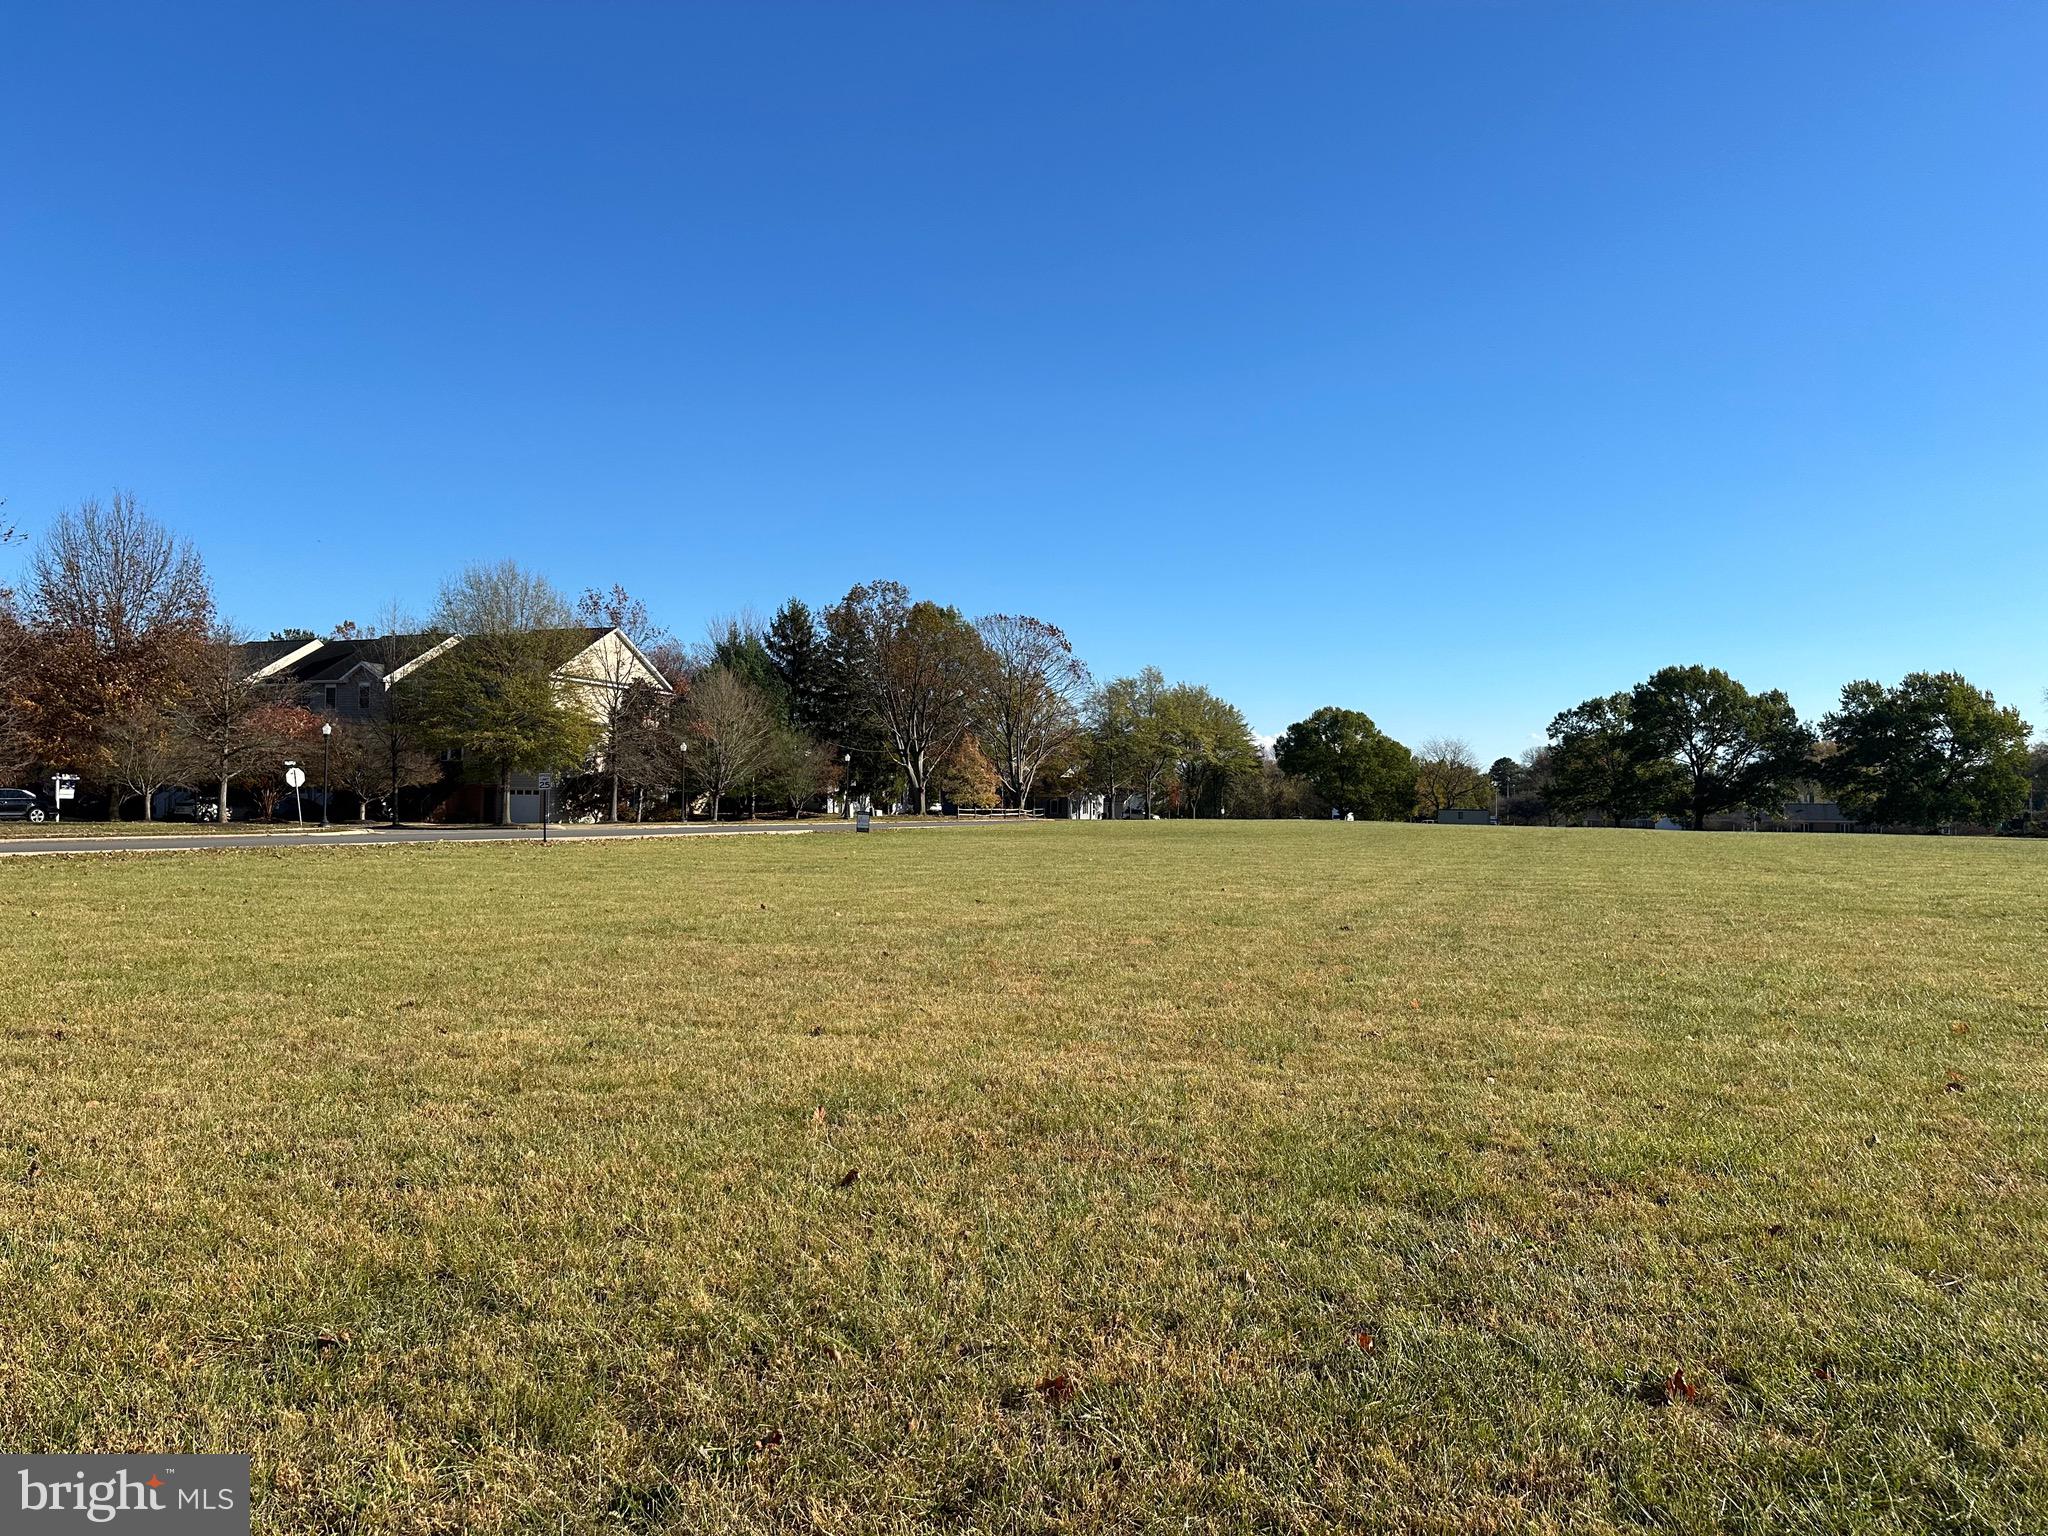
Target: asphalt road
353,836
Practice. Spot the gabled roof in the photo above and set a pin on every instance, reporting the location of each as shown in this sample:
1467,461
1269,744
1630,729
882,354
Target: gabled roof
264,657
585,638
312,663
566,644
328,661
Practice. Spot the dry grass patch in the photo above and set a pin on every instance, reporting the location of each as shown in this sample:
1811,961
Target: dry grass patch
1676,1183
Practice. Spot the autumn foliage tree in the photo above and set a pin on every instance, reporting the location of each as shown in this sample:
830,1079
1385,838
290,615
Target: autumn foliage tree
969,776
913,670
114,609
227,716
376,764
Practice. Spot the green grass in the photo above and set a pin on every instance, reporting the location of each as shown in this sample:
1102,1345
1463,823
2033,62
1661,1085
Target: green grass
13,830
498,1188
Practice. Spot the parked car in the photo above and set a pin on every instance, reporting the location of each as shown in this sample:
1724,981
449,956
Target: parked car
183,805
21,805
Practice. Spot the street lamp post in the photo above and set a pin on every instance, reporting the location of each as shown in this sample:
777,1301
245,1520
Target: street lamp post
847,786
683,769
326,763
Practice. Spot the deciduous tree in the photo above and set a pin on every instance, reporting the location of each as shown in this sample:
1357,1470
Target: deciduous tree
1447,778
377,765
397,723
501,598
1933,751
1029,697
114,608
144,752
1598,762
493,698
224,715
291,734
1208,743
733,727
800,769
618,707
16,746
913,669
1351,763
1732,749
1531,801
968,776
1125,750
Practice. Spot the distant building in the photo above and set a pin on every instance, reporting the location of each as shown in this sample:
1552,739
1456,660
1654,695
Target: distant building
1079,806
1815,816
1455,817
344,679
1087,805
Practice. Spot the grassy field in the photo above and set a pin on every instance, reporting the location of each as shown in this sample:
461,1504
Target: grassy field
1084,1178
11,831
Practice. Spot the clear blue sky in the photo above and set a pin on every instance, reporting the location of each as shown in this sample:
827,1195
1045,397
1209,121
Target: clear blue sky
1449,361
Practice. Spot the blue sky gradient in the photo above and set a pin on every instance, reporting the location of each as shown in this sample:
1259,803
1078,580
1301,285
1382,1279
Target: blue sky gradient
1449,361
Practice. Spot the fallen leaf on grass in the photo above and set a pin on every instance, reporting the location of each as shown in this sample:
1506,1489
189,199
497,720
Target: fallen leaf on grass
1678,1389
818,1115
1365,1342
1059,1390
851,1176
1825,1372
769,1441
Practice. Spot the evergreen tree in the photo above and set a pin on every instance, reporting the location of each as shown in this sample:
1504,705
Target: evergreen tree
797,652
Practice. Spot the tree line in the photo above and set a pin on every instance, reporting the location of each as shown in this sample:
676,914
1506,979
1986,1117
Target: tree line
1692,744
115,664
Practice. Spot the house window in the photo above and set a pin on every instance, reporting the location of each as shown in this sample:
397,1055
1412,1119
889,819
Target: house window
363,698
330,695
